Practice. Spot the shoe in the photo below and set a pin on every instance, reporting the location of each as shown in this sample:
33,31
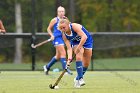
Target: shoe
46,70
81,81
66,73
77,84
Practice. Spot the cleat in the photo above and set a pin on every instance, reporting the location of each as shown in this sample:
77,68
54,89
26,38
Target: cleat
77,84
46,70
82,82
66,73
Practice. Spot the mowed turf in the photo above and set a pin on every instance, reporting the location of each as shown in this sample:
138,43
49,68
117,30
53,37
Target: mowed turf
96,82
132,63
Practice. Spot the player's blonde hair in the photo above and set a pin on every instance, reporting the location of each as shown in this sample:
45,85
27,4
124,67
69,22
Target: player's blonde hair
60,8
63,20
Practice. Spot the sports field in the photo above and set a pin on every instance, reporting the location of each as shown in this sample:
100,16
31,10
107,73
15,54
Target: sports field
96,82
132,63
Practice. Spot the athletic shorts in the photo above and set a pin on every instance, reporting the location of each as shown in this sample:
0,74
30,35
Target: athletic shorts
87,45
58,41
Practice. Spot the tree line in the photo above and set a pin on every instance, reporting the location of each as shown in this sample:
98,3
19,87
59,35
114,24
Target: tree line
95,15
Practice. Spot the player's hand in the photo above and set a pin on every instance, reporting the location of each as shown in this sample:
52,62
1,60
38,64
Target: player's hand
77,50
68,63
2,31
52,37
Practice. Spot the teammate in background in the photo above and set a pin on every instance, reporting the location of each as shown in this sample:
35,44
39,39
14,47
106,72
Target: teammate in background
58,42
2,29
79,40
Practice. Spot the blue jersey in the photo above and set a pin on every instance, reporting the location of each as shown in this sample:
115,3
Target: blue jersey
75,38
58,40
56,32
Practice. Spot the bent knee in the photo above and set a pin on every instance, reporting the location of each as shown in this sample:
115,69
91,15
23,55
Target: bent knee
78,58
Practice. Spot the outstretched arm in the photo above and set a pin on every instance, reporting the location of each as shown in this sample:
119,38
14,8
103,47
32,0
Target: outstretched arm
69,48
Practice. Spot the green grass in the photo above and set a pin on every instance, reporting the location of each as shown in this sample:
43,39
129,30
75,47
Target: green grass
114,63
96,82
118,63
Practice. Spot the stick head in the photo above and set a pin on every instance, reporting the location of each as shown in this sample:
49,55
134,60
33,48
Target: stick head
33,46
51,86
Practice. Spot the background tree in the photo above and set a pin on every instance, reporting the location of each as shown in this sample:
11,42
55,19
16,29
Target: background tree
18,42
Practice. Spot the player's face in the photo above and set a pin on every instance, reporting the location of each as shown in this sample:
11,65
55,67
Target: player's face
64,27
61,12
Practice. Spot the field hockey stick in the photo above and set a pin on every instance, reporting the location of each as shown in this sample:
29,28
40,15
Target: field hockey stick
39,44
61,75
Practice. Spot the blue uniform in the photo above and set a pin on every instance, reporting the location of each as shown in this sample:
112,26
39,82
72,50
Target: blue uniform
75,39
58,40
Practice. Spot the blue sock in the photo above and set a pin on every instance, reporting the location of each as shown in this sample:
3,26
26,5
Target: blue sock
63,61
79,69
84,70
53,60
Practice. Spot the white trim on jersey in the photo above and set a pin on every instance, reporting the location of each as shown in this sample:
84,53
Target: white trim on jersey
58,44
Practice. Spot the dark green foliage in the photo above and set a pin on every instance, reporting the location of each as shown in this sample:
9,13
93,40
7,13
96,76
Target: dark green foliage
95,15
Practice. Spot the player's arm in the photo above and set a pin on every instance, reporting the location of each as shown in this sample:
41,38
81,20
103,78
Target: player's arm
69,48
2,29
78,29
49,29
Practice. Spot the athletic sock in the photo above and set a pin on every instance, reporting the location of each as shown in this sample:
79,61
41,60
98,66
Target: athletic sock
79,69
84,70
49,65
63,62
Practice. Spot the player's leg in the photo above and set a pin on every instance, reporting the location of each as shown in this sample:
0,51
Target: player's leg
79,68
62,55
86,59
51,63
79,63
87,56
53,60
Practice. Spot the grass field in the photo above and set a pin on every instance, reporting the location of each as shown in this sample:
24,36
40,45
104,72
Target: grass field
132,63
96,82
